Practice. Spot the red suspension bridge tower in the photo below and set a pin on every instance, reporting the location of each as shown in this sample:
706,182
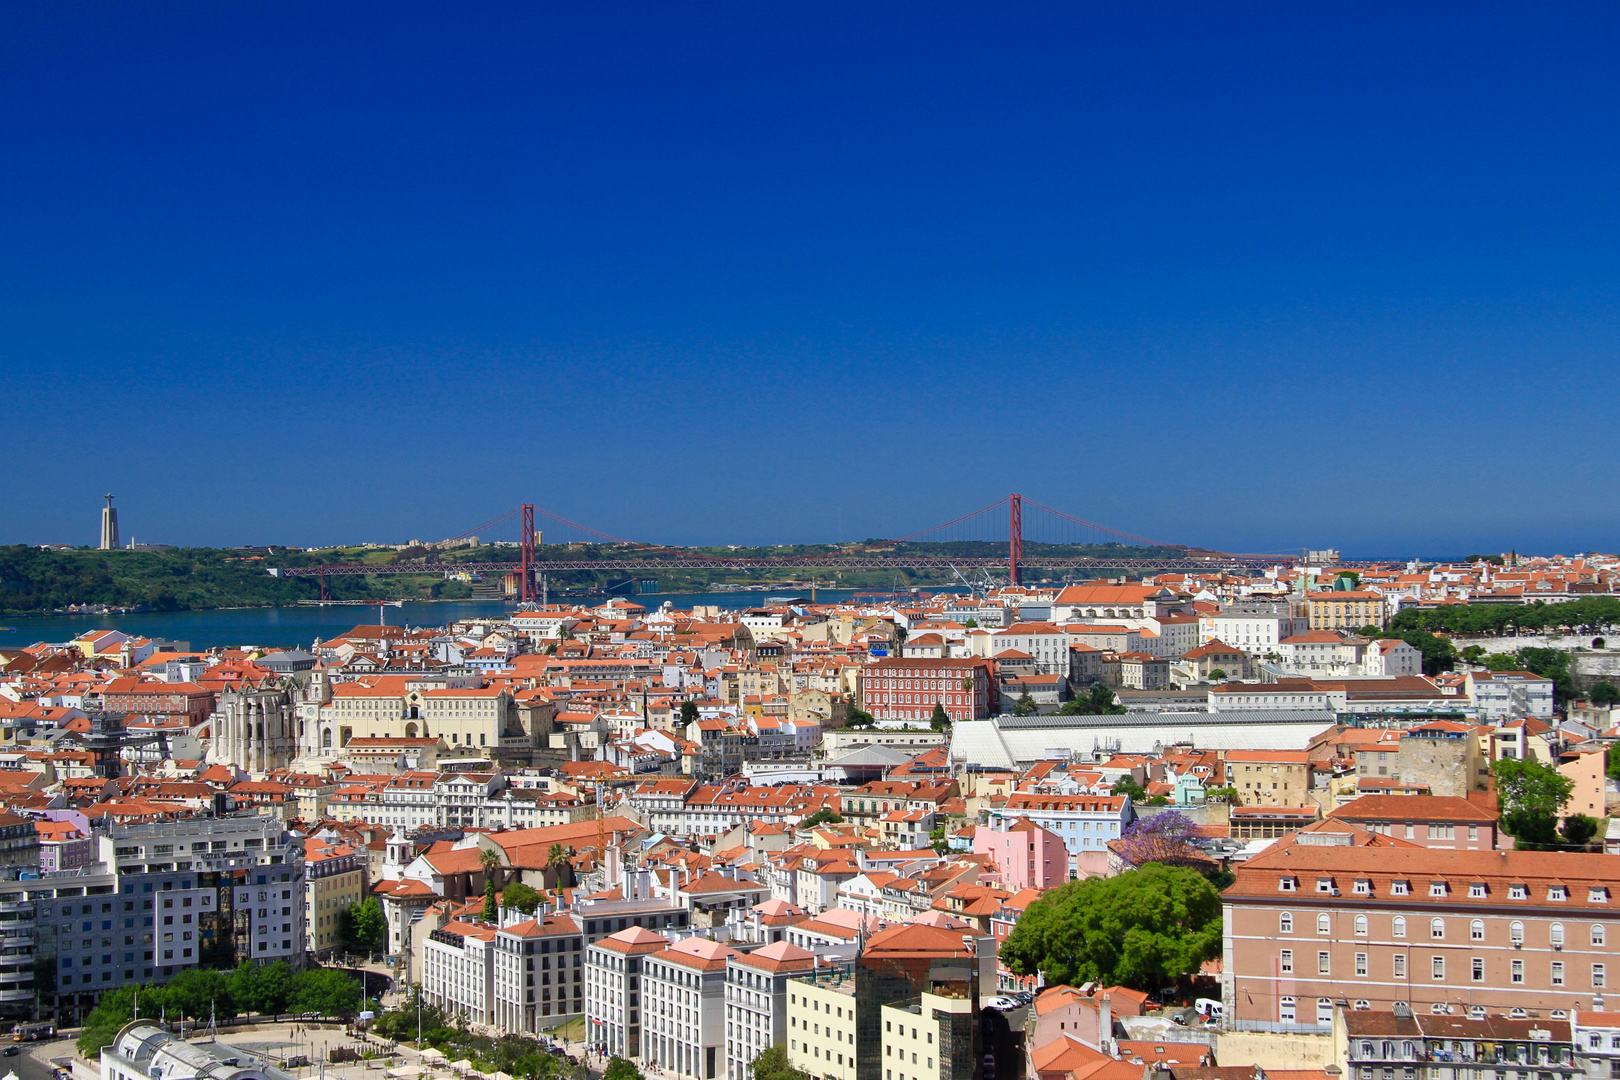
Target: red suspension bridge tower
1015,535
528,553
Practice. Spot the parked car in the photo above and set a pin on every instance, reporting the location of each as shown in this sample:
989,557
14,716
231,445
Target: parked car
1003,1003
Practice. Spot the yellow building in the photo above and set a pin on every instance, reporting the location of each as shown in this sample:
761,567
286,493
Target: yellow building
917,1038
1350,610
334,879
821,1024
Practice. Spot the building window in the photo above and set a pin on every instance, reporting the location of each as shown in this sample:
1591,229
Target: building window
1476,930
1361,965
1437,929
1597,894
1517,973
1558,973
1597,976
1285,922
1516,932
1517,892
1324,925
1285,1010
1476,970
1286,961
1598,936
1437,888
1439,967
1400,888
1557,892
1555,935
1287,884
1361,926
1323,963
1476,891
1397,928
1363,887
1400,965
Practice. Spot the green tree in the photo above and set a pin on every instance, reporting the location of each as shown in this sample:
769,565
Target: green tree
858,718
326,991
824,816
265,989
520,896
1613,758
1217,674
689,713
1531,794
489,900
1127,785
1141,929
1098,701
940,720
971,624
1025,705
772,1064
364,927
1578,829
558,861
113,1011
620,1069
1605,693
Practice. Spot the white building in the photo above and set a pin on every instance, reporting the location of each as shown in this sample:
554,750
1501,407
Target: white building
1044,641
539,972
458,971
1256,627
147,1052
685,993
1509,695
756,1002
613,990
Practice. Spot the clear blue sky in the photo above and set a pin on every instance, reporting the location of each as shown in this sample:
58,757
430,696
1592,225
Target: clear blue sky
1243,276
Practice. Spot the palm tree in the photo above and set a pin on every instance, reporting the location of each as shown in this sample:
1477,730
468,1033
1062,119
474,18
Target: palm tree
557,858
489,861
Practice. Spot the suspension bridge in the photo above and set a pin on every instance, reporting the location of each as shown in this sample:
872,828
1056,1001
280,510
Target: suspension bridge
1004,538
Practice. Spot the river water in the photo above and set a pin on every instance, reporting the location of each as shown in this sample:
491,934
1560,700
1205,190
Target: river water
302,625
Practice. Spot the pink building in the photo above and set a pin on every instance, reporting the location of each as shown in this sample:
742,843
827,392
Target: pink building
1028,856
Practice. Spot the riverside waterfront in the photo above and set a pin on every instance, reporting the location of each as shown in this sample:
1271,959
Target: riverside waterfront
302,625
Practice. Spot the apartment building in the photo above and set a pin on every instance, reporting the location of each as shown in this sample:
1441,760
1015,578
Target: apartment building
1348,609
538,974
1269,777
614,991
1508,695
1085,822
334,878
1426,820
932,1038
1387,922
900,688
820,1033
756,993
1596,1037
1453,1045
458,970
684,988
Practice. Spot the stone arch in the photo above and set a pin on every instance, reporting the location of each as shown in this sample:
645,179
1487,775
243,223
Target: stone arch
326,738
410,729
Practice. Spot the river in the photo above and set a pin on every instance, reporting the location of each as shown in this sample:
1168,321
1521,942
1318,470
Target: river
302,625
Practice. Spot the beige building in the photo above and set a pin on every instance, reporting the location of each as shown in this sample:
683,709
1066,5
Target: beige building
1269,777
1349,610
335,879
821,1024
1307,925
917,1039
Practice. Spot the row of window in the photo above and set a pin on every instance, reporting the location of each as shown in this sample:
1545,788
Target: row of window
1477,890
1599,935
1476,972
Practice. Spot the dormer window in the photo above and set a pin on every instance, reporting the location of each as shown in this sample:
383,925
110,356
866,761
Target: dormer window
1324,884
1557,892
1438,888
1517,892
1597,894
1287,884
1363,887
1477,891
1400,888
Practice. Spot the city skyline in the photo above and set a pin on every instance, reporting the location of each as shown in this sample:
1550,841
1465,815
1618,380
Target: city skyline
1251,281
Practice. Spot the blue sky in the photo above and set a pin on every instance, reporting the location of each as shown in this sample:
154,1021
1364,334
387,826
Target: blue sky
1251,277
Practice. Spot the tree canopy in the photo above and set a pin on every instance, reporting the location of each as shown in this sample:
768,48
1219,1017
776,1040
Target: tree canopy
1141,929
620,1069
824,816
363,927
940,720
1531,794
1098,701
772,1064
520,896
